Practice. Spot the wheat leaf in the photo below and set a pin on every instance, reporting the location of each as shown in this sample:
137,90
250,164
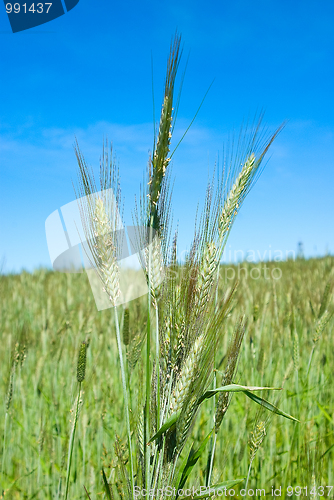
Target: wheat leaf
234,388
246,391
327,451
192,460
269,406
322,409
167,425
106,485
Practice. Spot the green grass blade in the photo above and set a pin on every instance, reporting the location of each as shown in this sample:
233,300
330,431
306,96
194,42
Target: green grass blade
106,485
247,391
192,460
167,425
327,451
269,406
234,388
322,409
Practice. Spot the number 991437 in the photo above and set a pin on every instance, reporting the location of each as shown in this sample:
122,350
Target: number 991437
39,9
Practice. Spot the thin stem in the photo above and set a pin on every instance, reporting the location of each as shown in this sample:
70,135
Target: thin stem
211,459
171,476
148,375
157,361
310,360
213,439
125,395
158,467
148,392
70,448
249,469
4,446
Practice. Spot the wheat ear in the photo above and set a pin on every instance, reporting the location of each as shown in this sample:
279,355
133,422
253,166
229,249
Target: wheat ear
206,277
319,328
161,158
183,382
235,196
126,327
154,271
296,354
242,185
105,257
255,441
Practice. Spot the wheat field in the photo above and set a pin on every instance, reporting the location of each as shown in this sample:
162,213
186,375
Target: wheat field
46,315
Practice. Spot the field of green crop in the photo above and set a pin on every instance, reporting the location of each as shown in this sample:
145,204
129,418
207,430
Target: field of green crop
288,343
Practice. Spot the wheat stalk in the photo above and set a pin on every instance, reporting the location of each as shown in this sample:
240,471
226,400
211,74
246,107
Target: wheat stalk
81,371
189,318
18,356
103,241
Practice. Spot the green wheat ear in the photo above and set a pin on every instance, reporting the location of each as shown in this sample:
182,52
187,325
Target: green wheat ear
206,276
256,438
10,388
81,368
296,355
325,299
105,256
126,326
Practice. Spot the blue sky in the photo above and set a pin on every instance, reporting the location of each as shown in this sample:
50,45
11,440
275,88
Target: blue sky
88,74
